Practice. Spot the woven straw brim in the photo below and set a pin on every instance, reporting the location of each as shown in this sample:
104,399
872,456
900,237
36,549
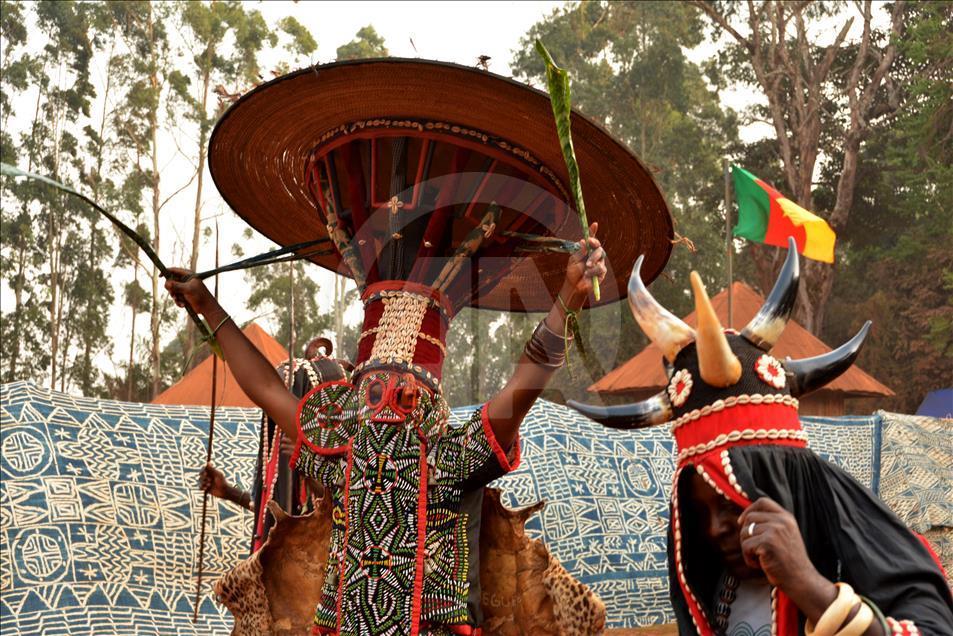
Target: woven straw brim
259,150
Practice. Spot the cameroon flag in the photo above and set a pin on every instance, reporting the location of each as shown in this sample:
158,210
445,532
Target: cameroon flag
767,216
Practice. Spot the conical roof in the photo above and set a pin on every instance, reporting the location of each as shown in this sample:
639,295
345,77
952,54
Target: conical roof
645,371
196,386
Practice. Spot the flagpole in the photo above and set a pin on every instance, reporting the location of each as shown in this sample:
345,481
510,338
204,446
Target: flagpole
728,246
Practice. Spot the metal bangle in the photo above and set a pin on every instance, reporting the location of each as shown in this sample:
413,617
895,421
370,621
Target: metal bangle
552,334
224,320
878,615
546,348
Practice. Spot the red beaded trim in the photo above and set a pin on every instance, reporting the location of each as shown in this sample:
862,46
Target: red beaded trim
740,424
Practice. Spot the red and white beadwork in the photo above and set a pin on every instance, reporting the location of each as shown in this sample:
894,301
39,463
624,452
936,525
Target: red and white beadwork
770,371
680,387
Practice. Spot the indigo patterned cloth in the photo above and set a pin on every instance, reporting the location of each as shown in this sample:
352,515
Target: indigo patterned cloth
99,514
916,478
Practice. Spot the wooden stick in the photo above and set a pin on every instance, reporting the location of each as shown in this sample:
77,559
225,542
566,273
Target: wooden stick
208,459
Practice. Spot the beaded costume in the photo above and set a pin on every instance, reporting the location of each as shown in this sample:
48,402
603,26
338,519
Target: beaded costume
404,176
406,488
274,477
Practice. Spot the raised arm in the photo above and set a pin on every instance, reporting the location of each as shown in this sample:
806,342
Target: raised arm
507,408
255,375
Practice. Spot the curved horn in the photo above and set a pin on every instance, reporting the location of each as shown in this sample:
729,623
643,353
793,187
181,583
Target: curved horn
315,345
766,327
809,374
654,410
719,367
662,327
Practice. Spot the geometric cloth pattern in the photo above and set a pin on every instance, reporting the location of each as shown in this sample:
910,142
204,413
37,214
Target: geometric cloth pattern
99,510
917,477
100,513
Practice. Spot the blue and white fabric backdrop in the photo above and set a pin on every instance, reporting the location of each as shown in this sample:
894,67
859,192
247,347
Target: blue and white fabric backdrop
99,521
101,513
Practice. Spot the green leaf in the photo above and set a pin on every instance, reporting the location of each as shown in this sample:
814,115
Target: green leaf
557,81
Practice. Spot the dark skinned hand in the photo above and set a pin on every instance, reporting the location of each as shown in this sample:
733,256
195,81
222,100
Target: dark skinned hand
212,481
777,549
192,291
584,265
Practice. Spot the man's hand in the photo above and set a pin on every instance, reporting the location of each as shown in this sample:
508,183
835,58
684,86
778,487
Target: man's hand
192,291
774,545
588,263
212,481
255,374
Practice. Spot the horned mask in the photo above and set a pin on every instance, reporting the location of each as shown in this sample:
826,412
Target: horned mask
711,369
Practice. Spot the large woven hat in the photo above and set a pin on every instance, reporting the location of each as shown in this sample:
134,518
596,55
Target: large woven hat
401,160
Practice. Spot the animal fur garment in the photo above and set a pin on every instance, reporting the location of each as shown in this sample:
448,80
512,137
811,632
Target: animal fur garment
525,590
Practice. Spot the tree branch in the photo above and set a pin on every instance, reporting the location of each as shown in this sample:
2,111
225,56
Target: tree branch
886,60
820,73
171,196
856,68
860,108
723,23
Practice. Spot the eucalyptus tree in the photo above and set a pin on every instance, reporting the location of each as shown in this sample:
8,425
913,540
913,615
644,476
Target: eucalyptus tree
898,265
275,290
631,71
20,259
45,256
145,113
823,98
297,42
223,41
366,43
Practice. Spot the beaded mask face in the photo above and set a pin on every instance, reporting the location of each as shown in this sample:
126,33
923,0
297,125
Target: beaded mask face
391,397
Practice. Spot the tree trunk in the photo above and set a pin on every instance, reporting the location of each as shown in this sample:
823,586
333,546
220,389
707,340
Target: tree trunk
55,245
97,179
21,251
67,340
18,299
154,132
200,176
132,353
792,81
